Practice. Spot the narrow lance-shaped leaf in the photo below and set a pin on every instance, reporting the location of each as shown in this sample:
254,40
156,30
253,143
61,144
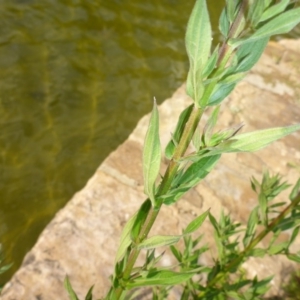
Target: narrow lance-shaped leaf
69,289
125,240
165,278
249,54
257,140
178,131
250,142
274,10
224,23
159,241
281,24
140,219
198,43
251,226
89,295
295,191
195,224
210,125
151,155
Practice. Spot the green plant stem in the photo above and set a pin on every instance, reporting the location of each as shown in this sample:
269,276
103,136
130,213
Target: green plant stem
234,263
187,135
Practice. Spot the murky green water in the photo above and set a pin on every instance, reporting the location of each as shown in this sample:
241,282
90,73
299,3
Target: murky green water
75,77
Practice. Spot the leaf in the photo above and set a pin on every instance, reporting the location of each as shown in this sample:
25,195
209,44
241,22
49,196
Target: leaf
263,204
249,54
69,289
214,222
234,295
274,10
251,226
197,139
231,8
196,223
281,24
176,253
224,23
125,240
164,278
294,257
255,12
276,249
191,177
253,141
140,219
221,91
294,235
159,241
199,170
210,125
151,155
211,63
184,116
198,43
5,268
295,191
258,252
89,295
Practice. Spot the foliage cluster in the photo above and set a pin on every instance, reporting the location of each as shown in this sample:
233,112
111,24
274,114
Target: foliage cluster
246,27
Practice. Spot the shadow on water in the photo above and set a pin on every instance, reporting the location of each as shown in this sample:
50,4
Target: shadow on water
75,77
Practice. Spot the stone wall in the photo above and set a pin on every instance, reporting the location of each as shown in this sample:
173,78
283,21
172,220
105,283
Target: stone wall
82,239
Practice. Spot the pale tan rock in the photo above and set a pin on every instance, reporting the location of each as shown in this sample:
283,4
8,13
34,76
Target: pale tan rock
82,239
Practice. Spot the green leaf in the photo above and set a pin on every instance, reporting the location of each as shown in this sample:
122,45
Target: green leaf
255,12
184,116
190,178
267,3
276,249
281,24
125,240
196,223
164,278
197,139
295,191
69,289
253,141
89,295
258,252
176,253
234,295
231,8
199,170
140,219
294,257
159,241
210,125
263,204
249,54
294,235
211,63
224,23
221,91
151,155
274,10
5,268
214,222
251,226
198,43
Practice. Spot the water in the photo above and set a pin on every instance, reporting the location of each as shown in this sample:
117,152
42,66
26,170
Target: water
75,77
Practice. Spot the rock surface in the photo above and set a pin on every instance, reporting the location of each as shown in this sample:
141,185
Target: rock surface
82,239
